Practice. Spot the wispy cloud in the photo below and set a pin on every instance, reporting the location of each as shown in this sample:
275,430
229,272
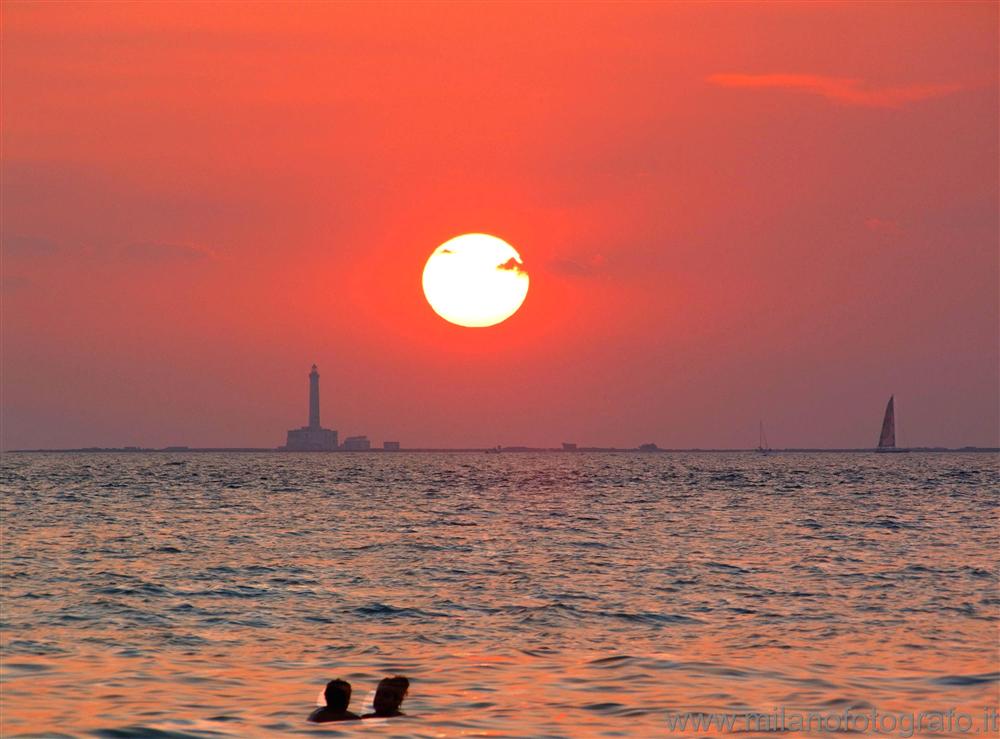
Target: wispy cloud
883,226
578,266
840,90
29,246
14,283
158,251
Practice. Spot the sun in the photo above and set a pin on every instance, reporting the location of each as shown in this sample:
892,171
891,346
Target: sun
475,280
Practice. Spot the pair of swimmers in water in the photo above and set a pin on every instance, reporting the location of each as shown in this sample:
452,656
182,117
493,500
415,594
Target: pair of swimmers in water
388,698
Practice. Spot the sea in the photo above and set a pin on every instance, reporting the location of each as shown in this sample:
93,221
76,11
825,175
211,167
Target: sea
523,594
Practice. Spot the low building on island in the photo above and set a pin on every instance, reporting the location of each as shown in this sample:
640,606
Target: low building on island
356,444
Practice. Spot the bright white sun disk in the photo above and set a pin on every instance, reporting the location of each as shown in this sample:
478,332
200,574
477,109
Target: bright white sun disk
475,280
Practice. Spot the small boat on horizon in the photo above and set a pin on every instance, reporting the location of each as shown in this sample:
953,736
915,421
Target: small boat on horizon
887,439
762,447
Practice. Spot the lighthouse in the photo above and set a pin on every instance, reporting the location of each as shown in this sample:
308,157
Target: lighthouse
312,438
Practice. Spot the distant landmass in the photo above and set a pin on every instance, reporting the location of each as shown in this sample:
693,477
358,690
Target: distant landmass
313,438
491,450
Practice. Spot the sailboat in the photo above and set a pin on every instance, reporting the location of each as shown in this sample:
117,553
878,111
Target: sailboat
887,439
762,447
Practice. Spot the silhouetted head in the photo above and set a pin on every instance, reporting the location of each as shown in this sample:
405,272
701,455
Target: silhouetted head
337,694
389,695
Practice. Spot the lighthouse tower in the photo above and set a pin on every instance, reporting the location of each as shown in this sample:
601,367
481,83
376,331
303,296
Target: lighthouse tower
314,398
312,438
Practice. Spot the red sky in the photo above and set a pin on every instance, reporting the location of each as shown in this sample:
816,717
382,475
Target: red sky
729,213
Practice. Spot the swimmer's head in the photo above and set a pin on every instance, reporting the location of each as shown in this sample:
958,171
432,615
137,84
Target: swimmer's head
337,694
389,695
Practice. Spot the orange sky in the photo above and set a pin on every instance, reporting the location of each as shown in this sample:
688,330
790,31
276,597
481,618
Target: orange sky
729,213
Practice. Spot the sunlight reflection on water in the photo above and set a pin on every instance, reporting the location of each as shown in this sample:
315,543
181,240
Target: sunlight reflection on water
523,594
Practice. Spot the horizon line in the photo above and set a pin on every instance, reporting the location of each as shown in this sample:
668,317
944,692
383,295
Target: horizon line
517,449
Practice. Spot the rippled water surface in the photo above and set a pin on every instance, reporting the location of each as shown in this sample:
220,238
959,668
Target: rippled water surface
523,594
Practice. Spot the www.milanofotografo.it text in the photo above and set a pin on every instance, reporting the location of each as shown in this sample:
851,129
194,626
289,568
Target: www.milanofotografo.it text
863,721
